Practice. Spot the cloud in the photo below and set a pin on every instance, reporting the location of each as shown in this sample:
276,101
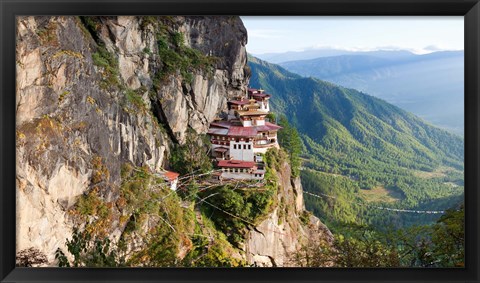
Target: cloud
353,48
424,50
433,48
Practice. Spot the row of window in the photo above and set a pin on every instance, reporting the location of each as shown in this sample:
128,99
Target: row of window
219,137
222,138
235,170
245,146
221,142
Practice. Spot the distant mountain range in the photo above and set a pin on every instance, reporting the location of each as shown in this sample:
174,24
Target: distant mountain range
354,134
278,58
430,85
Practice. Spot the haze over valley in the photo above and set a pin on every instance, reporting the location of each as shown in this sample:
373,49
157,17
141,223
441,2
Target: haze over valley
429,85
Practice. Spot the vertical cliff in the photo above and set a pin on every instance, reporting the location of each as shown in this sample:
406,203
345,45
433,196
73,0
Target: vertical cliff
94,93
101,104
287,227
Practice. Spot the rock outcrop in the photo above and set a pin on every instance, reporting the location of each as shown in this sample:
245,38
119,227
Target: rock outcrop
273,242
85,90
96,93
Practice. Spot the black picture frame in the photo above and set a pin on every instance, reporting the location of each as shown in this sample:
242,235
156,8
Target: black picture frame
470,9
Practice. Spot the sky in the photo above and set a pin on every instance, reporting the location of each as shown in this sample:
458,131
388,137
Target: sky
276,34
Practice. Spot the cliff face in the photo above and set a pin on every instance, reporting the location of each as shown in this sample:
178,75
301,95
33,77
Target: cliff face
72,110
96,93
286,229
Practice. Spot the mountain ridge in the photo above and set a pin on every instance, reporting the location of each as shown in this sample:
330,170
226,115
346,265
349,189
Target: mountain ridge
434,79
309,54
348,132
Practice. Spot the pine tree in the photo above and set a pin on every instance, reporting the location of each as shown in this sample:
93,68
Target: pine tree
290,140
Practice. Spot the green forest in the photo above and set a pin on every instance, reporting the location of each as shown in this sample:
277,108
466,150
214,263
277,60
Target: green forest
361,156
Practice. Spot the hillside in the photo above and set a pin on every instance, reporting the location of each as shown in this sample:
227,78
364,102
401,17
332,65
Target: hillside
104,106
367,141
409,82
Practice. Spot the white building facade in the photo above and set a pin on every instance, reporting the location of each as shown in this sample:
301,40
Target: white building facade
239,141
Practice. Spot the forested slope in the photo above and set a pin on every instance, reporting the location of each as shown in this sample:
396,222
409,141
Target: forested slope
370,143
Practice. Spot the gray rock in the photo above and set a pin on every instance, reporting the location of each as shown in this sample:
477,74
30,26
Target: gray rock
275,239
71,116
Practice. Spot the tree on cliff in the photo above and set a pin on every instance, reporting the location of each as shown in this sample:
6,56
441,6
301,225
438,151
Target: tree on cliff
438,245
192,156
290,140
89,252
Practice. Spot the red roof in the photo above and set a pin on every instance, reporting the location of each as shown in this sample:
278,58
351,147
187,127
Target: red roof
217,131
171,176
262,95
268,127
236,131
236,164
221,124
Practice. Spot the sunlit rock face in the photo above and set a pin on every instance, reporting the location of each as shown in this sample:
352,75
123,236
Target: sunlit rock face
81,114
66,117
273,242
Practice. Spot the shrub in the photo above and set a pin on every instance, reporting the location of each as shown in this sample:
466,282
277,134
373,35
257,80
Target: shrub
192,156
30,257
176,56
90,204
104,59
135,99
88,251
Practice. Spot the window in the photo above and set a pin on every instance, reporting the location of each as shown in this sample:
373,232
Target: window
234,146
244,146
249,146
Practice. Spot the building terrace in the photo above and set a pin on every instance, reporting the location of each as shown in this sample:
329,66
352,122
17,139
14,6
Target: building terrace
239,141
